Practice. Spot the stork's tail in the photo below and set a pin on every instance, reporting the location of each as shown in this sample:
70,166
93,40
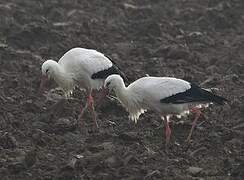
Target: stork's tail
214,98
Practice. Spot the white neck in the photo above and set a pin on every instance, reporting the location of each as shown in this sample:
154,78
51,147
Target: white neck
121,92
126,96
131,101
63,79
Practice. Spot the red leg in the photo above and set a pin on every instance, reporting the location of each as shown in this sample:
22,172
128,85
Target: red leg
197,113
103,94
167,130
82,110
90,102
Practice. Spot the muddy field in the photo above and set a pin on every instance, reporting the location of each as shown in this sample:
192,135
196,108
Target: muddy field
201,41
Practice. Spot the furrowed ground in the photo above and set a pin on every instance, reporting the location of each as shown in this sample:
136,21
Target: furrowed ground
200,41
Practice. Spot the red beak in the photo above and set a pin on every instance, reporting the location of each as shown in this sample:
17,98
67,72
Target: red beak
44,80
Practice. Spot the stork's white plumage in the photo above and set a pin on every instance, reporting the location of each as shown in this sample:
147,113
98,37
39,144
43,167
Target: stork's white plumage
166,95
80,67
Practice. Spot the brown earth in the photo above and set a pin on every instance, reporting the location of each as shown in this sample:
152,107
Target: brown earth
201,41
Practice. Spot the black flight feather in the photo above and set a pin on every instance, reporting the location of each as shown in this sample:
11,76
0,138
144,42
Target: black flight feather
194,94
114,69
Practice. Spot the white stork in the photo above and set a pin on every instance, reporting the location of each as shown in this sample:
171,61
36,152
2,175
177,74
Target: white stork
166,95
83,68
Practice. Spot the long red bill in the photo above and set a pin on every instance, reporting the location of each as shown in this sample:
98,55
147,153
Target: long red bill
44,80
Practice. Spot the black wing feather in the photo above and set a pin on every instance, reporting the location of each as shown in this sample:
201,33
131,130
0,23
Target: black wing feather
194,94
114,69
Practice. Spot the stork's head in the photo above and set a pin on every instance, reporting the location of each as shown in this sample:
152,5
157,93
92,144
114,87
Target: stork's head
48,68
113,82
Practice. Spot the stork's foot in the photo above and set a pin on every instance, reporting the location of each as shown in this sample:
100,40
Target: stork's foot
81,126
92,109
82,111
167,139
188,139
90,106
80,121
197,113
167,131
93,129
86,128
95,126
82,129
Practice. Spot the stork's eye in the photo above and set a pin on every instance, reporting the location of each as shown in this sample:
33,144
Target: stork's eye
47,70
108,84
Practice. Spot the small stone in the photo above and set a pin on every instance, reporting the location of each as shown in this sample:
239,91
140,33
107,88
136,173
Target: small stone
111,161
131,159
63,121
95,149
152,174
72,163
176,52
37,137
64,124
8,141
2,45
16,167
39,125
239,126
194,170
108,146
129,136
30,158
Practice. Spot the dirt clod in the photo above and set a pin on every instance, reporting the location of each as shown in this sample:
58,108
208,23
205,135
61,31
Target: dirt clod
194,170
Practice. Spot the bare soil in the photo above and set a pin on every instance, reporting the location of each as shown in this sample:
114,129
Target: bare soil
200,41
